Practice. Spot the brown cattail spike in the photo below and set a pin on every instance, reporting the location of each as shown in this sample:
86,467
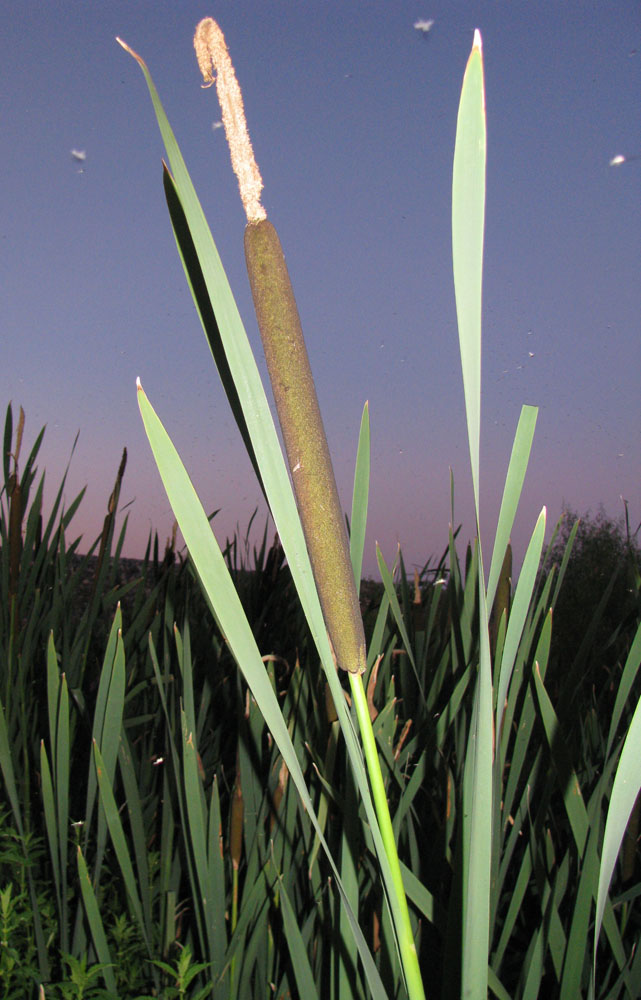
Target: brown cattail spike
305,443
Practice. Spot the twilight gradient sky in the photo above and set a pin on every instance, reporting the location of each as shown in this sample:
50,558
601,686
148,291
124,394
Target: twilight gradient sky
352,115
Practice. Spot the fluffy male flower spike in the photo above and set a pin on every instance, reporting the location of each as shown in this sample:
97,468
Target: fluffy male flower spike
289,371
213,55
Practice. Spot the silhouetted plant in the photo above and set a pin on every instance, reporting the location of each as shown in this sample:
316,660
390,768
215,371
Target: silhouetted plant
597,609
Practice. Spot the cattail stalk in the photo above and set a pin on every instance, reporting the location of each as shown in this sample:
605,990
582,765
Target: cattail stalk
307,453
289,371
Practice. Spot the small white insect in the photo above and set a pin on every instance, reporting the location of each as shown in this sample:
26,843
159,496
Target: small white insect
424,25
216,125
616,161
80,155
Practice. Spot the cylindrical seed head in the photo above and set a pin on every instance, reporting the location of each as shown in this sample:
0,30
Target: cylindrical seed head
305,443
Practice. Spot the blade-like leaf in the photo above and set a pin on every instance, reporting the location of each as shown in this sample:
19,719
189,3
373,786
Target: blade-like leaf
96,926
518,614
298,953
119,841
215,579
360,498
511,494
627,783
468,222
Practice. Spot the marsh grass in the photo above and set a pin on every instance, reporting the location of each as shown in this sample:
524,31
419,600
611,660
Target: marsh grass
195,795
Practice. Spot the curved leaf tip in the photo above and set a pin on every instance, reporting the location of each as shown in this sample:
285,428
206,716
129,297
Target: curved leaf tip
127,48
131,52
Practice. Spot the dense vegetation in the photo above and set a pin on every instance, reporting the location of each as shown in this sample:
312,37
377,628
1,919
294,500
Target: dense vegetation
136,768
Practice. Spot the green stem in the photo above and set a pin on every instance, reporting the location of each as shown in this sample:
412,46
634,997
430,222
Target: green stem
234,921
406,944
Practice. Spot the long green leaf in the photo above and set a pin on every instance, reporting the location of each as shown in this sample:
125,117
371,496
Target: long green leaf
214,576
517,468
628,677
562,763
100,713
468,221
298,953
627,784
6,766
198,286
62,798
53,688
119,841
197,816
96,926
51,824
216,881
137,826
360,498
518,614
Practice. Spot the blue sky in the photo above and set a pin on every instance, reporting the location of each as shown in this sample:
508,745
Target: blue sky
352,115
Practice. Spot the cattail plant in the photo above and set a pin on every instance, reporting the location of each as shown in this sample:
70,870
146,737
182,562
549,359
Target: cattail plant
335,625
487,663
301,424
306,445
289,370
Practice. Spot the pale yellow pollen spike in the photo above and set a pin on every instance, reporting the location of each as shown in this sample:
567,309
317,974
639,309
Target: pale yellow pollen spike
216,67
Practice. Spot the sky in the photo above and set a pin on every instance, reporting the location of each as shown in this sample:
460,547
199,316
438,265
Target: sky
352,114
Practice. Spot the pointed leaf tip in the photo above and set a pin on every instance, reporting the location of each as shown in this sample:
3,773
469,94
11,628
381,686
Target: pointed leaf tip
131,52
478,42
138,382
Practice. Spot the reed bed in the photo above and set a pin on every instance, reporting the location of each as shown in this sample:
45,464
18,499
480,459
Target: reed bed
150,836
198,800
